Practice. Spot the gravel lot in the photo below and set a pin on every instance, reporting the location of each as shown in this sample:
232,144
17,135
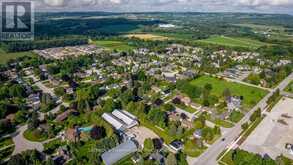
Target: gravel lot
141,133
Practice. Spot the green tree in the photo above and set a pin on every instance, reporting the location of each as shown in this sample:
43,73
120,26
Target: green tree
171,159
148,147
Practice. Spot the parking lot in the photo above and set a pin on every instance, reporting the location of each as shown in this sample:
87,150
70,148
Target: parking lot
271,136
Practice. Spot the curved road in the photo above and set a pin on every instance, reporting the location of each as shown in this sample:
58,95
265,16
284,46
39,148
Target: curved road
21,144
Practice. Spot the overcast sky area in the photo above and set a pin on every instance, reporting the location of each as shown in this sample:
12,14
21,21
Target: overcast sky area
259,6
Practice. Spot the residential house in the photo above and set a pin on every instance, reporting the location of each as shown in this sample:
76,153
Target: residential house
176,145
233,103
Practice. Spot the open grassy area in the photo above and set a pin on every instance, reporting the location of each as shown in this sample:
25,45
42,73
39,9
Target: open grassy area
31,136
5,142
233,42
251,95
113,45
151,37
5,57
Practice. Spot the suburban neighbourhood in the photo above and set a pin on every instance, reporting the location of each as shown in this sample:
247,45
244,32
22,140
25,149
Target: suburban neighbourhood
105,88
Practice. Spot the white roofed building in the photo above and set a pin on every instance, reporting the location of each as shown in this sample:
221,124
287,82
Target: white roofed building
113,121
121,119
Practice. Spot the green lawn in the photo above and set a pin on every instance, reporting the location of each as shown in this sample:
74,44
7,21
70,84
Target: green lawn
192,150
113,45
29,135
221,123
5,57
233,42
5,142
227,159
186,108
251,95
236,116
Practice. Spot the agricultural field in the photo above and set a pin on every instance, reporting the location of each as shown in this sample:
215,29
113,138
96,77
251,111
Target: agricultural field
275,32
151,37
5,57
251,95
113,45
233,42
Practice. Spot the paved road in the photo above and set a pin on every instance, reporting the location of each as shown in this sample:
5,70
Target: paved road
287,94
210,156
45,89
21,144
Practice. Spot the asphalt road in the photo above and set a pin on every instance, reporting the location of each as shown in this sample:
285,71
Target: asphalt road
209,157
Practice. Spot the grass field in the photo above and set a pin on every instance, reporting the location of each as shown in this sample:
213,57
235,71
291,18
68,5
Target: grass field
5,57
151,37
233,42
251,95
113,45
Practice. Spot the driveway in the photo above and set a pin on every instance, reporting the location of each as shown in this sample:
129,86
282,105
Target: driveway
141,133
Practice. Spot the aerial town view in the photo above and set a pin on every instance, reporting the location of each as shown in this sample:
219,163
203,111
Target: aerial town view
146,82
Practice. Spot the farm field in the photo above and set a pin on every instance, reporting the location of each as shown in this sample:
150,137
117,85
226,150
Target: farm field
233,42
276,32
250,95
152,37
5,57
113,45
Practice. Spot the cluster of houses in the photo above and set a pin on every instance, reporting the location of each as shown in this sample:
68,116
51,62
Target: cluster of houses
61,53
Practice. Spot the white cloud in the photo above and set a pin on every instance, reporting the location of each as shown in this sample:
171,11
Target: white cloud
284,6
54,2
266,2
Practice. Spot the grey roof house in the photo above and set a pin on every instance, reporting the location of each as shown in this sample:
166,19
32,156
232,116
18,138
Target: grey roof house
115,154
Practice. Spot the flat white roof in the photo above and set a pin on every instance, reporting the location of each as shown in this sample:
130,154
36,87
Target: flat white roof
127,119
113,121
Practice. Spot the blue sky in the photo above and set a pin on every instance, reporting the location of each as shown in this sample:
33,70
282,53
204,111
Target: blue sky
262,6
